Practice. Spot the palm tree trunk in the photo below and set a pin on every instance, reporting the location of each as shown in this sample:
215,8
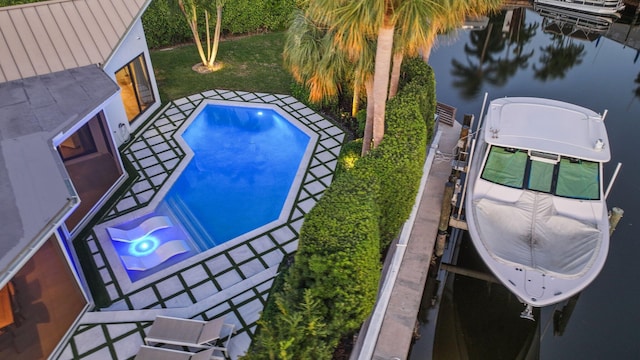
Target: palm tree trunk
356,98
381,80
368,126
395,73
425,52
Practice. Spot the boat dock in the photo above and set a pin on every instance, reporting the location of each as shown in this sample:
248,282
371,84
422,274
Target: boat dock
389,332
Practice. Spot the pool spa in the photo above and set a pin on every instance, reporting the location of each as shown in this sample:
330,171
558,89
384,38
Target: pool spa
242,171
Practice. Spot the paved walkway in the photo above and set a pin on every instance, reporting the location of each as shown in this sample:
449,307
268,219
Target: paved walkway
396,331
231,280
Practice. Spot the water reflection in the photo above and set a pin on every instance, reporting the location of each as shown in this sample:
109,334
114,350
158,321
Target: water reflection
590,62
494,54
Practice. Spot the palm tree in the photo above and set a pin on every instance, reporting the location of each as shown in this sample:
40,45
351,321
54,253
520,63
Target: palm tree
355,24
414,24
189,9
313,58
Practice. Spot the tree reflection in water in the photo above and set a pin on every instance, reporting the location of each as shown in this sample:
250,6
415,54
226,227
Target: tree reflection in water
558,57
494,56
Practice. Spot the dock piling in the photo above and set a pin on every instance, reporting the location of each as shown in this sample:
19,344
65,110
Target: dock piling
445,214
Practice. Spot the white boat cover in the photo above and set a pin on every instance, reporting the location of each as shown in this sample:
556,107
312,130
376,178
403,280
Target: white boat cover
531,233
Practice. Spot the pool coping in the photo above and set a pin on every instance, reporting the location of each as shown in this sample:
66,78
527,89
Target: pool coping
120,273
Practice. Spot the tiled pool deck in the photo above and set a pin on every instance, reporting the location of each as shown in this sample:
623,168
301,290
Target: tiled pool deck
233,282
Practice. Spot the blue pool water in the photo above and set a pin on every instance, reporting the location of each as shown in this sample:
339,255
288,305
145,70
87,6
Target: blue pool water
245,161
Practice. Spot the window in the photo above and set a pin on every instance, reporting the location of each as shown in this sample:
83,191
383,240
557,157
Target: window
135,87
505,166
549,173
578,179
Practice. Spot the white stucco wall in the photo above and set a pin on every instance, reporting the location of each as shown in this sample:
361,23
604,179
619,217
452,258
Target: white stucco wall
131,46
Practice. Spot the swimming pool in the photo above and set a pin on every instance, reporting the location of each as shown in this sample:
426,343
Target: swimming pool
242,172
244,163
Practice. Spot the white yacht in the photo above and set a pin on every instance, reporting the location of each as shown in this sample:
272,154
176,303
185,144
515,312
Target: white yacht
535,203
608,7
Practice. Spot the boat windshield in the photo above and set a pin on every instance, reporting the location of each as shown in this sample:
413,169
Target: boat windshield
566,177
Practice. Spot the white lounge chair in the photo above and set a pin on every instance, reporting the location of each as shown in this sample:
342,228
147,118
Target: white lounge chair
188,332
160,255
145,228
158,353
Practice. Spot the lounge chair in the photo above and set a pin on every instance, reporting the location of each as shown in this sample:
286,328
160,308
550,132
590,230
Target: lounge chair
188,332
158,353
145,228
160,255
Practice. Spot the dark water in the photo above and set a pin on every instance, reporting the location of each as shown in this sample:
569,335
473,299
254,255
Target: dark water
599,74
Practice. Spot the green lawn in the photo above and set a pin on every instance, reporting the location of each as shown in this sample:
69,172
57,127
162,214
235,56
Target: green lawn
252,63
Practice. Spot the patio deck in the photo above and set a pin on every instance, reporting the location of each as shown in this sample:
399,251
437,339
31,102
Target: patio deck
233,280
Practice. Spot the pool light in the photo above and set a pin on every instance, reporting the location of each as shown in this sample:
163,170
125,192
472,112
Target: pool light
144,246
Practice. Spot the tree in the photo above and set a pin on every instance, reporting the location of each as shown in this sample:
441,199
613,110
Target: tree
313,58
413,23
354,24
190,10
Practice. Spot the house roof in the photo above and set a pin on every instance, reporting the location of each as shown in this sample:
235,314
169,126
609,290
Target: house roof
50,79
45,37
35,192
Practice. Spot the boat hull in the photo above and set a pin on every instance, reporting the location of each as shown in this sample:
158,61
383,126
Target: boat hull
543,248
603,7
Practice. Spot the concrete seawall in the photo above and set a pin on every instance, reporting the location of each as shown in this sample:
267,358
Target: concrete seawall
389,331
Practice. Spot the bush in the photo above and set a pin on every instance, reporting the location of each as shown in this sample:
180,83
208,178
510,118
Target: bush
332,286
165,25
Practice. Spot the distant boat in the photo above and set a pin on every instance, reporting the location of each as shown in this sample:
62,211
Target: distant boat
575,24
590,6
535,204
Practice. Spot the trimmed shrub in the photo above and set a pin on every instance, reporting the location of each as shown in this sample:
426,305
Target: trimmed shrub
332,286
165,25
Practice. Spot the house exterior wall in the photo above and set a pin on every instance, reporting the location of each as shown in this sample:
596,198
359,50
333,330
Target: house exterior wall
132,45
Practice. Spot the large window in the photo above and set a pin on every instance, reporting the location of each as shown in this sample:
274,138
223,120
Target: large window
135,87
549,173
89,156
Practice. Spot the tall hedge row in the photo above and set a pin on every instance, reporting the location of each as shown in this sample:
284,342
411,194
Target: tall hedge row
165,25
331,287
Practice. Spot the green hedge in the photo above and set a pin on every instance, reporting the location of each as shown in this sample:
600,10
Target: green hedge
165,25
332,286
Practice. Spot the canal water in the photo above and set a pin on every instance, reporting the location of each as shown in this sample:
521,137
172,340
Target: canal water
524,54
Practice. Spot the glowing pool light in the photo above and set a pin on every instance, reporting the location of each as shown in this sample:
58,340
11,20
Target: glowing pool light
144,246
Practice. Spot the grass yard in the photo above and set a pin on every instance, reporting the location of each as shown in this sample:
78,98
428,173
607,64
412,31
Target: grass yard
252,63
